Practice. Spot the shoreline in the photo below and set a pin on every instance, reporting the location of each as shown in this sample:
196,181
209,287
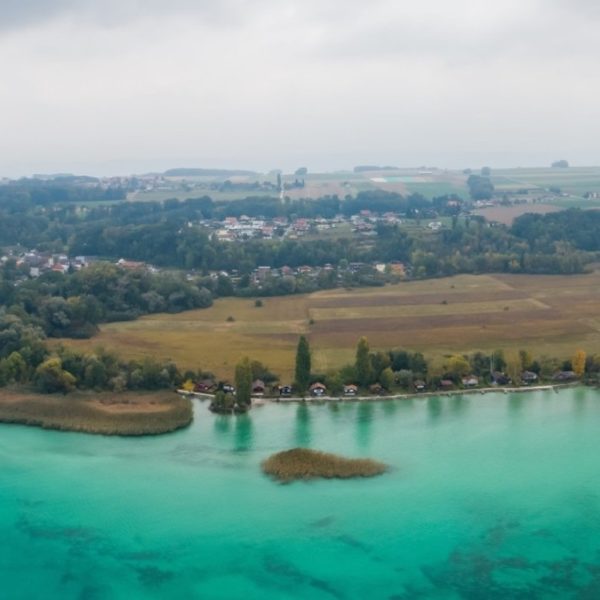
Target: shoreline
260,400
125,414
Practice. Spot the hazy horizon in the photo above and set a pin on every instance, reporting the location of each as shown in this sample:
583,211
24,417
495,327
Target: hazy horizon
121,87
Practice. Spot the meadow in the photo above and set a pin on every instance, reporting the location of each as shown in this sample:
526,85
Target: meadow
551,315
575,181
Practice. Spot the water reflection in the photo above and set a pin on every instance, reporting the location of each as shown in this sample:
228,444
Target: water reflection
579,403
390,407
515,404
458,405
434,408
364,424
302,433
222,424
243,433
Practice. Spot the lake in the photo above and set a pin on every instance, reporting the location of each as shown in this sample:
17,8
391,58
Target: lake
488,496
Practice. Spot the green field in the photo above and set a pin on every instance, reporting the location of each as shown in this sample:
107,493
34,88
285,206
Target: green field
575,181
551,315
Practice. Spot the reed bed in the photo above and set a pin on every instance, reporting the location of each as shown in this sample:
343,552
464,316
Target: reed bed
302,463
128,414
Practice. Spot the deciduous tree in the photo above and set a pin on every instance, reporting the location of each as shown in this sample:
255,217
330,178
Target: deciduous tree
578,363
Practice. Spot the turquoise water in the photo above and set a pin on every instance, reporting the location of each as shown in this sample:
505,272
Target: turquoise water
494,496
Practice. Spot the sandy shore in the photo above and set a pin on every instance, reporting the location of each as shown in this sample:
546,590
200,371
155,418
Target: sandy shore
127,413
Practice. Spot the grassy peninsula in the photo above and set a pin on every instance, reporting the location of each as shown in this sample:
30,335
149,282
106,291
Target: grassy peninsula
302,463
130,414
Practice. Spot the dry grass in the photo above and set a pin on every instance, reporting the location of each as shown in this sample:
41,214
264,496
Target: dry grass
551,315
302,463
507,214
108,414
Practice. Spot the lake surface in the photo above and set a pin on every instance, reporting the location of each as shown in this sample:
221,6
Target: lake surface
494,496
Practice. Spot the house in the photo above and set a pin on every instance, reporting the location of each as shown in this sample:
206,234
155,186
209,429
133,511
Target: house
470,381
446,383
564,376
350,390
205,386
317,389
228,388
285,390
528,377
258,387
420,385
499,378
376,388
131,265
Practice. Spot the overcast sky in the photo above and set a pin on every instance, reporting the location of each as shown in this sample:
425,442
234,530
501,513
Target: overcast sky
119,86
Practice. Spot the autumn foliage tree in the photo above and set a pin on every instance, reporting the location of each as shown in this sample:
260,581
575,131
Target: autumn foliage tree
578,363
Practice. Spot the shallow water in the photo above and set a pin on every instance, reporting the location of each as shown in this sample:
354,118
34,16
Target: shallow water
494,496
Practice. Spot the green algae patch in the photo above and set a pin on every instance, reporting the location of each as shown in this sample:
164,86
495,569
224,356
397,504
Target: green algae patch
302,463
127,413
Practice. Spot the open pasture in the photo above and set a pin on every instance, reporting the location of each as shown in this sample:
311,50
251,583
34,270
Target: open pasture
553,315
575,181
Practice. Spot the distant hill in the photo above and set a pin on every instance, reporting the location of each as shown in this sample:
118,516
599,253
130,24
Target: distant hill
206,172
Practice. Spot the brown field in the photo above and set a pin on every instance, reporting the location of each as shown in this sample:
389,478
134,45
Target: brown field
507,214
553,315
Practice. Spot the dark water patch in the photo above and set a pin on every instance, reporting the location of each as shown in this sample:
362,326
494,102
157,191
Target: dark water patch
143,556
353,542
27,503
477,575
324,522
285,569
94,592
153,576
48,532
498,534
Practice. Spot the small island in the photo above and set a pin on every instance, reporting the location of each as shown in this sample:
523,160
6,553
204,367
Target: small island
302,463
128,413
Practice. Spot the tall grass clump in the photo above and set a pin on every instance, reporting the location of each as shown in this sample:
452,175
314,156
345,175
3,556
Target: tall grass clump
302,463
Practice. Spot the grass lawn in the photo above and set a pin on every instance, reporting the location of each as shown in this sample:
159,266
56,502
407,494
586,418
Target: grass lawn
552,315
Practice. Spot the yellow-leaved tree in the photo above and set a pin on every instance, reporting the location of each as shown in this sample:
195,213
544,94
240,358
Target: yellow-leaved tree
578,362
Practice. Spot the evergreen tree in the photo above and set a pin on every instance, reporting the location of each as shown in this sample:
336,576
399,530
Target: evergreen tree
302,365
243,382
364,370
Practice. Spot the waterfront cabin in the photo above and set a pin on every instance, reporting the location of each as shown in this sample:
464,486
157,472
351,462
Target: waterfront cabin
470,381
258,387
228,388
446,384
350,390
285,390
499,378
376,389
564,376
206,386
317,389
420,385
528,377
